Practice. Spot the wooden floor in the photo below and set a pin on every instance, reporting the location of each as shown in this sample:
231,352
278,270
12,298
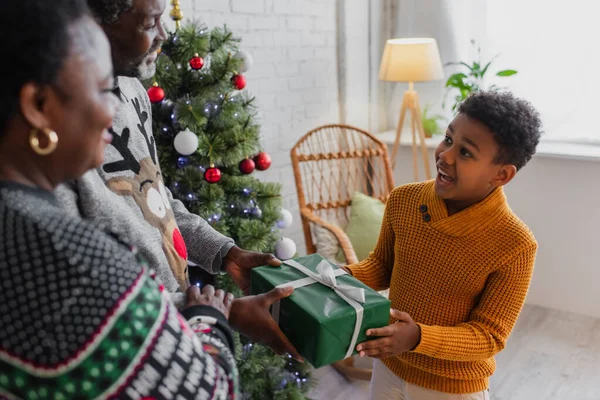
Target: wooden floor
551,355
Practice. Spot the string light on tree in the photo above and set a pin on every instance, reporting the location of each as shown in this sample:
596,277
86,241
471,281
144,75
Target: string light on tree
182,162
262,161
186,142
247,350
213,219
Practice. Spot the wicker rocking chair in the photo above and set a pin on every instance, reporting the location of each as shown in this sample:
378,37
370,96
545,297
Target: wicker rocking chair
330,164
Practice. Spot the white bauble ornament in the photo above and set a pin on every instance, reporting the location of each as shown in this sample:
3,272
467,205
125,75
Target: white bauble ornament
186,142
247,60
285,248
285,219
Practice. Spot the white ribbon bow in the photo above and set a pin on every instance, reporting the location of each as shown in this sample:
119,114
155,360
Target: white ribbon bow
326,275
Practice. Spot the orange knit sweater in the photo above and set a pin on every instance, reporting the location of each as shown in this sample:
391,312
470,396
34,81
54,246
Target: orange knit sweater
462,278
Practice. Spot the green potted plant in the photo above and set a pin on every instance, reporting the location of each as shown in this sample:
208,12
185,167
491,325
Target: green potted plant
431,124
472,78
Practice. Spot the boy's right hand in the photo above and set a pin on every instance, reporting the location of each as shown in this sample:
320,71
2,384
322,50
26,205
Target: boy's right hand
402,336
209,297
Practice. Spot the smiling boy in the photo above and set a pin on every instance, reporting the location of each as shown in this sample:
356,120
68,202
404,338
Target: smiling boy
457,260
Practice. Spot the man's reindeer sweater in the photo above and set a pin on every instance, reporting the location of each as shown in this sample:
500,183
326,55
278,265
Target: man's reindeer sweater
127,195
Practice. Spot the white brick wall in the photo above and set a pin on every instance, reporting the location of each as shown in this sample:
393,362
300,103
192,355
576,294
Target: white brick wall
294,77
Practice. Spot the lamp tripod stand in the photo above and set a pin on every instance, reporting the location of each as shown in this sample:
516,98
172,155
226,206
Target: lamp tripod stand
410,103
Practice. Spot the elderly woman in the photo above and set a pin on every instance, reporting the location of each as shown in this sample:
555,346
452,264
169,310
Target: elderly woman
81,316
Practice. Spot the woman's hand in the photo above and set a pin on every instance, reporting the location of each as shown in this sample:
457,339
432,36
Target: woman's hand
209,297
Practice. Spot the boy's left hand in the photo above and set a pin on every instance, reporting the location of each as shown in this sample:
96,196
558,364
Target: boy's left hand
397,338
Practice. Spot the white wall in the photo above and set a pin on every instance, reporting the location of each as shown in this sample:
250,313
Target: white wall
559,199
294,76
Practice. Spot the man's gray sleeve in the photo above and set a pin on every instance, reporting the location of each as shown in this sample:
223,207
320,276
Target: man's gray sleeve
206,247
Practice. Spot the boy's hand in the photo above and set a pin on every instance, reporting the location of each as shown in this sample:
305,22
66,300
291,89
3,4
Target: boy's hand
397,338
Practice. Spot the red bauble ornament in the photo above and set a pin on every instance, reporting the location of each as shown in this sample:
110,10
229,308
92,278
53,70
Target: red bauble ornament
212,175
239,81
196,62
156,93
263,161
247,166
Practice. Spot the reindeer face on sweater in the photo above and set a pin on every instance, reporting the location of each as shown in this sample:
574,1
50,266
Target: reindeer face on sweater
143,182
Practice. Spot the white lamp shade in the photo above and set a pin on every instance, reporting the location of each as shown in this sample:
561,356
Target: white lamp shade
411,60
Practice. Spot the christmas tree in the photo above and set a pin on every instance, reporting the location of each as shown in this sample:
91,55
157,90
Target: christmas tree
208,138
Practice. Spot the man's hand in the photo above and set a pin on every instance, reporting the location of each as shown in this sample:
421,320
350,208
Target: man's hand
397,338
251,317
238,263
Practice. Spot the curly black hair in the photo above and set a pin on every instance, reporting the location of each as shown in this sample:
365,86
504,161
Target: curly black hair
109,11
34,54
515,123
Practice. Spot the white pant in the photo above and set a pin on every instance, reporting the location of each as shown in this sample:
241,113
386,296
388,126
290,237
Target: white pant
385,385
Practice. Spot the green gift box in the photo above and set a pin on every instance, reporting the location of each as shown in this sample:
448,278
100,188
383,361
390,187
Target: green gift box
317,319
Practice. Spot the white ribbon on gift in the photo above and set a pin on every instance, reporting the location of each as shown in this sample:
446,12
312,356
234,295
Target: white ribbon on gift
326,275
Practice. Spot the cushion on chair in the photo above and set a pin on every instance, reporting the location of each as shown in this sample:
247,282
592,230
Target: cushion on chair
326,243
364,225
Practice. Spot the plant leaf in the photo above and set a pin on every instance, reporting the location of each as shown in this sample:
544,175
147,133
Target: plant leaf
488,65
451,63
496,88
471,68
457,80
506,72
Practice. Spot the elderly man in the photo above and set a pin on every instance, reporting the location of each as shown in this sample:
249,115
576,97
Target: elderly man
127,195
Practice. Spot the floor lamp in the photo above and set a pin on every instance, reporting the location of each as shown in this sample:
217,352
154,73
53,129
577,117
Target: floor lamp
411,60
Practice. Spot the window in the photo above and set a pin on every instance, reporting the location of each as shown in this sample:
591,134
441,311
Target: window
554,47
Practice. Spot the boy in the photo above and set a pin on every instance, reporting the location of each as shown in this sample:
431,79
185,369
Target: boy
457,261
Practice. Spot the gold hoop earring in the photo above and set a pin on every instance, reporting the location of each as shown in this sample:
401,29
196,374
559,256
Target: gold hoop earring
34,142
